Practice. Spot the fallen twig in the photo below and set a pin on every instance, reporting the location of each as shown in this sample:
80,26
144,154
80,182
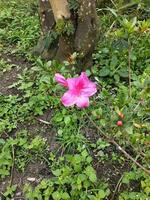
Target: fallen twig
111,140
129,157
116,188
43,121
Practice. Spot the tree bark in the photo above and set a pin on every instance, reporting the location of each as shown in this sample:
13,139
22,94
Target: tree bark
67,28
60,9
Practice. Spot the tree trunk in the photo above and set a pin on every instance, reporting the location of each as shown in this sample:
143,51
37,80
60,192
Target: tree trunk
68,27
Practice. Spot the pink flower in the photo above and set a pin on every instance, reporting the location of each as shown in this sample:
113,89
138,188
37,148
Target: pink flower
61,80
79,90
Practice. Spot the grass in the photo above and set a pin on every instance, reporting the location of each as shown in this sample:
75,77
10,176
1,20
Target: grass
52,152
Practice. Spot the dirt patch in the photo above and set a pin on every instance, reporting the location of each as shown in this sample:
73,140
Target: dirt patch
107,170
37,170
33,174
112,173
10,77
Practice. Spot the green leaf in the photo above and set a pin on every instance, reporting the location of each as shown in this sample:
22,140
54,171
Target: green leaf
65,195
114,62
147,190
57,172
90,172
117,77
123,73
101,194
2,141
133,57
129,130
84,153
56,195
67,120
113,11
104,72
120,44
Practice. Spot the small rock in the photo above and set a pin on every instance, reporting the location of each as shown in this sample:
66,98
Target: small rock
31,179
18,194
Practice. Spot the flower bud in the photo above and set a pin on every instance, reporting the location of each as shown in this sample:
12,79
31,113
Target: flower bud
121,115
119,123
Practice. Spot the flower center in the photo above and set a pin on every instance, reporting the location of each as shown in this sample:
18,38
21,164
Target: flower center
79,87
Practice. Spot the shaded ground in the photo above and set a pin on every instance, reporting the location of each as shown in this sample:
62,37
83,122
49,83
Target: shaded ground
8,78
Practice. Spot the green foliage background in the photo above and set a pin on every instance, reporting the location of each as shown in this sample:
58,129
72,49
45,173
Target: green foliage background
121,70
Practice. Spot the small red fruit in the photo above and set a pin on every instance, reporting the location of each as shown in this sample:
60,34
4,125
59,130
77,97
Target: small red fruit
119,123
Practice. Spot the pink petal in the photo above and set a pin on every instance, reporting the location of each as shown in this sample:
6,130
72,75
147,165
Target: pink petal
61,80
82,102
68,99
72,82
78,81
89,90
84,77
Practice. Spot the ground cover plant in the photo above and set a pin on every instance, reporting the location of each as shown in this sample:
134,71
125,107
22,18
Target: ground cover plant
49,151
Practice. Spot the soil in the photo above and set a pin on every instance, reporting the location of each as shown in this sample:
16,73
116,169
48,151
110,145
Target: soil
10,77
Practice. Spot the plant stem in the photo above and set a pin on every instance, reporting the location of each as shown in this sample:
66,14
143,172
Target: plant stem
129,68
111,140
12,168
